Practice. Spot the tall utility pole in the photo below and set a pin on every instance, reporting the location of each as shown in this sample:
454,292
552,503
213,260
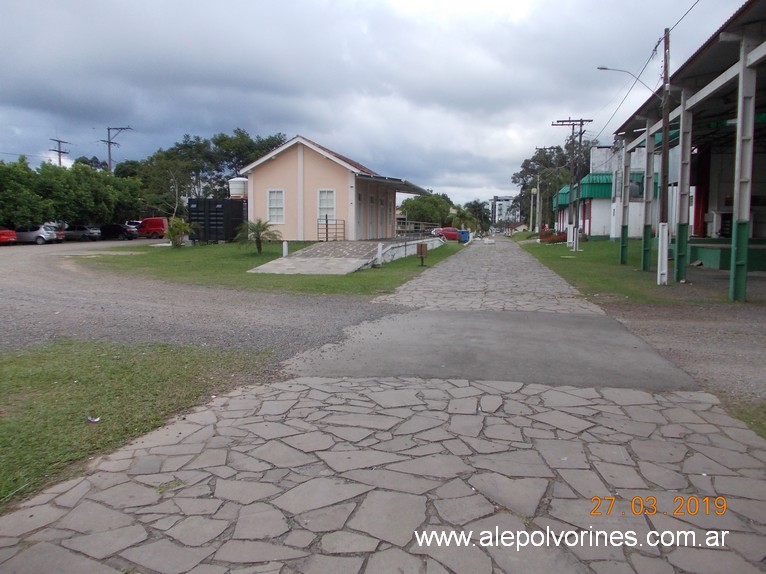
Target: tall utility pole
58,149
109,141
574,175
662,247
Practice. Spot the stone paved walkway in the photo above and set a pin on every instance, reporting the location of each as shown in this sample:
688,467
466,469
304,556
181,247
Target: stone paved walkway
499,277
336,475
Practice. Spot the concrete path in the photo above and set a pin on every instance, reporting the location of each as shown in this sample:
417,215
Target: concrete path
324,258
346,474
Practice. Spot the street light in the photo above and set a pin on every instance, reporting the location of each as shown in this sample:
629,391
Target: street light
662,228
604,68
532,208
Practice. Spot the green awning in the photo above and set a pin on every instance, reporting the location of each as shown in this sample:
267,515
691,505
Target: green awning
562,197
596,186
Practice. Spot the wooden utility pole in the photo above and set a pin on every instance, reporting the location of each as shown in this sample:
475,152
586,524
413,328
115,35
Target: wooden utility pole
110,141
58,149
574,175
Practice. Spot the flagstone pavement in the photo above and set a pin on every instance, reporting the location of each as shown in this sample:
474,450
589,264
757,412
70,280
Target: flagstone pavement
341,475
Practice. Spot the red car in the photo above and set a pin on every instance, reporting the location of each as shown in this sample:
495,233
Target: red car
7,236
448,233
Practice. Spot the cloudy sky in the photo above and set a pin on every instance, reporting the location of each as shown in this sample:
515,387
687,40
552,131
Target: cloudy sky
451,95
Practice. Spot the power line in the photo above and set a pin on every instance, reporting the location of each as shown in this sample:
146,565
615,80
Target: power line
684,16
637,76
630,89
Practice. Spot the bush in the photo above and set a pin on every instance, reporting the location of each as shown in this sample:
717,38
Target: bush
177,228
551,236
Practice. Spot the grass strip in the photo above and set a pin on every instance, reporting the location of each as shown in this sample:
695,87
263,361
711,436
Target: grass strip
48,392
595,271
226,265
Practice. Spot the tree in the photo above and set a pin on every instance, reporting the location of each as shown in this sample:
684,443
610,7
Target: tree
93,162
236,151
552,166
427,208
479,210
197,167
462,218
257,232
19,204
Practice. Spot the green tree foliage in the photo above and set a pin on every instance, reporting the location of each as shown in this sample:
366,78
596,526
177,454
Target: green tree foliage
76,194
256,232
93,162
462,218
481,214
88,193
428,208
549,168
19,204
195,167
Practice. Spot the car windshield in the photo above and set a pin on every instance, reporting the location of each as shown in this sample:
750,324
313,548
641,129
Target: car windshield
49,228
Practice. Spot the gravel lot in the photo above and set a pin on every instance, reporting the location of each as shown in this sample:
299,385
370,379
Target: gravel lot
721,345
44,294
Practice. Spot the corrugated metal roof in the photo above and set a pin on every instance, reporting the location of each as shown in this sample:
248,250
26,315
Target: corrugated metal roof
596,186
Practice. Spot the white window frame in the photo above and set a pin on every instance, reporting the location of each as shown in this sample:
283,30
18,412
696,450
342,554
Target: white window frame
320,214
272,194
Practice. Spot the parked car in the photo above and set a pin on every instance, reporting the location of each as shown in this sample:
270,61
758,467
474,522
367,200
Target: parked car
7,236
153,227
82,233
133,223
36,233
118,231
448,233
436,231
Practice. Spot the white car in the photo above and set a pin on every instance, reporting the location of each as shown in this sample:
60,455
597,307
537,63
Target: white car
36,233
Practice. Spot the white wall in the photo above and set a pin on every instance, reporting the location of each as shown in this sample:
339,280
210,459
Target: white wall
601,216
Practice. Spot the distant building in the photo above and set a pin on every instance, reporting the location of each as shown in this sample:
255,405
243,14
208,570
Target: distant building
308,192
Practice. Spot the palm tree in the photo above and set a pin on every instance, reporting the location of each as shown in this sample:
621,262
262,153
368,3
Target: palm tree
257,232
462,218
480,211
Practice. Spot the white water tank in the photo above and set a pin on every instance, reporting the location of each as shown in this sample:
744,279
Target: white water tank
238,188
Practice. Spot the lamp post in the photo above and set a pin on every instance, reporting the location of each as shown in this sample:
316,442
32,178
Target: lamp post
662,232
639,80
532,209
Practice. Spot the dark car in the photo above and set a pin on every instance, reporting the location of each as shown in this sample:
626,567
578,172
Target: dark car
81,233
7,236
118,231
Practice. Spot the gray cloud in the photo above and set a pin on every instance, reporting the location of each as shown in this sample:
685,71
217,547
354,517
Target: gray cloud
453,103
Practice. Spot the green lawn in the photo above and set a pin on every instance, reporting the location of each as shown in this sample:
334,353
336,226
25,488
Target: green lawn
595,271
47,394
226,265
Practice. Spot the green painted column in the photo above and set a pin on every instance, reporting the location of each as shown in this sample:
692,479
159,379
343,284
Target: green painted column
646,248
624,245
681,259
738,273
